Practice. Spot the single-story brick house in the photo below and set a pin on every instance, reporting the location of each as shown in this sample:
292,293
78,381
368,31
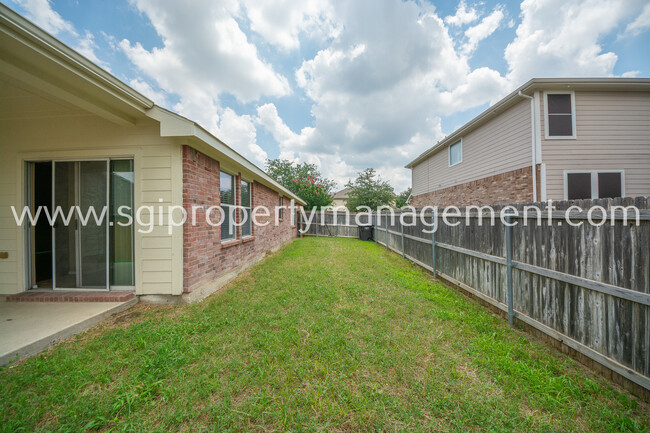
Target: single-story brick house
585,138
71,134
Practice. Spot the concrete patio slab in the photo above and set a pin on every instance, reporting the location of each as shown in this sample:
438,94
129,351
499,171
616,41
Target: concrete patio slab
27,328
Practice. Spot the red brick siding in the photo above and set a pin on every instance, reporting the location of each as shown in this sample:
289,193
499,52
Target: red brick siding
511,187
205,258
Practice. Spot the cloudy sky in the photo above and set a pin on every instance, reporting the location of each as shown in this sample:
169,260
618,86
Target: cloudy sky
340,83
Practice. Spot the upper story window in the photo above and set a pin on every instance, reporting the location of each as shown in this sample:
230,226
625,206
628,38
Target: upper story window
456,153
594,184
246,208
560,115
227,188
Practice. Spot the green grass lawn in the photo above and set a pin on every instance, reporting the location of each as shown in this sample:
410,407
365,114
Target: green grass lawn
326,335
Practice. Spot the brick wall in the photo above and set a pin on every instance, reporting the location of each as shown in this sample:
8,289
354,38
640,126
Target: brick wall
510,187
205,256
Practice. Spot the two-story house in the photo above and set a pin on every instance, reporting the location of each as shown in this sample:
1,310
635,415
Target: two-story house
584,137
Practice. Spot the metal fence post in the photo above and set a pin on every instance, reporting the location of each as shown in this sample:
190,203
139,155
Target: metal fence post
401,225
433,245
509,270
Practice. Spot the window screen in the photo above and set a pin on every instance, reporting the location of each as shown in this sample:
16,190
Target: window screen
455,153
560,116
227,201
280,210
578,185
609,185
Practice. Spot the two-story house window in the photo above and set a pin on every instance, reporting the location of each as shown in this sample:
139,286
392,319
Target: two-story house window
560,115
594,184
456,153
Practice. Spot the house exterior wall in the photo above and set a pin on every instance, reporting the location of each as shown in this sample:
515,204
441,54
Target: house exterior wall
205,257
501,145
509,187
77,136
338,202
612,133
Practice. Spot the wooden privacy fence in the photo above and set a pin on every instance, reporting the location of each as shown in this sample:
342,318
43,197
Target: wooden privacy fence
586,286
334,224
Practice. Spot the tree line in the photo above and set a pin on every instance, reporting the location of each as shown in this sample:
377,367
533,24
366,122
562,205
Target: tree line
306,181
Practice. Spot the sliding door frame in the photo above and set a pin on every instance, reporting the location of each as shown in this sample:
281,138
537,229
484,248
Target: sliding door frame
78,258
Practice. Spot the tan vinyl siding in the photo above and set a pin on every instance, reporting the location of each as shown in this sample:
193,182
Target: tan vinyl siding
420,178
613,133
503,144
158,175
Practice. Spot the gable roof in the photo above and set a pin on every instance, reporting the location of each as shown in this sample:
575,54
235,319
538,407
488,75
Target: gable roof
175,125
31,55
533,85
342,194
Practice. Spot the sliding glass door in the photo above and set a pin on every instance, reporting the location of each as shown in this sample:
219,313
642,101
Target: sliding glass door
120,231
80,232
90,244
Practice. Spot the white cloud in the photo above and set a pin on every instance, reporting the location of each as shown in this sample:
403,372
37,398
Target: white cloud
384,77
158,97
558,38
482,30
375,103
239,133
86,46
630,74
641,23
290,143
41,13
204,54
462,16
282,22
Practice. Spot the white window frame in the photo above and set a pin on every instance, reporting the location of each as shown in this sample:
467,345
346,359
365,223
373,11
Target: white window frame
461,152
573,115
594,181
249,207
280,210
228,205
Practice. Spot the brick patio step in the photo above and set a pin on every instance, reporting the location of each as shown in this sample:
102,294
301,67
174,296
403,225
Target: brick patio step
76,296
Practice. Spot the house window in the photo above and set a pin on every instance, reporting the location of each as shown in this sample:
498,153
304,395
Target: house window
280,210
227,188
594,184
246,208
560,118
456,153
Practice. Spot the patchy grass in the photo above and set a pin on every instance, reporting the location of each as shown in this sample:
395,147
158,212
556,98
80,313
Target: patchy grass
327,335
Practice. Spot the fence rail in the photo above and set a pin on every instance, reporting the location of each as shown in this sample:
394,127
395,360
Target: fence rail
587,286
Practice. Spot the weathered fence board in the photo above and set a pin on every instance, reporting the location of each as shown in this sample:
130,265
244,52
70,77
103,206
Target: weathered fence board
587,286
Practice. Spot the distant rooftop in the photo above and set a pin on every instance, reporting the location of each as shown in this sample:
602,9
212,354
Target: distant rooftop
342,194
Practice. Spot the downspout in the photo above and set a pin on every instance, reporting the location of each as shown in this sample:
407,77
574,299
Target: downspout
533,138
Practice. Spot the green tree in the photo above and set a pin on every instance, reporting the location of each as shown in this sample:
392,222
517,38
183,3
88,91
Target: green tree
400,200
369,190
304,180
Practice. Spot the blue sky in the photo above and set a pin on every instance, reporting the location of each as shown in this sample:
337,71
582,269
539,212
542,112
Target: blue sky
345,85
